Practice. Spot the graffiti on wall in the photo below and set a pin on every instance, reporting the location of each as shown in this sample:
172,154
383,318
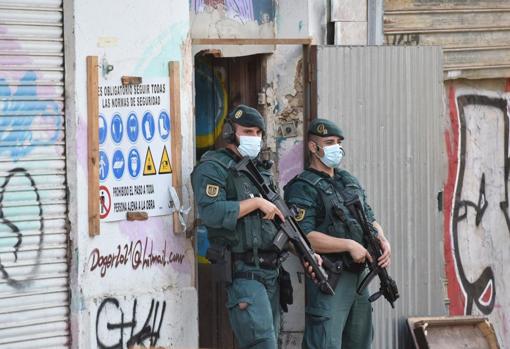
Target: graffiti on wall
12,234
261,11
124,326
136,255
23,108
476,216
412,39
30,122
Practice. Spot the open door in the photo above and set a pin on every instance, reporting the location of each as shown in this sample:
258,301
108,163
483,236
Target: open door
220,84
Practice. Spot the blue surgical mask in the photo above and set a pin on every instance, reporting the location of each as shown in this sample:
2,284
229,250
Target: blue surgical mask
249,146
333,155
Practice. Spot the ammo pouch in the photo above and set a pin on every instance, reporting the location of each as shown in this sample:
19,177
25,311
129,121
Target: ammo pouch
334,268
221,260
286,291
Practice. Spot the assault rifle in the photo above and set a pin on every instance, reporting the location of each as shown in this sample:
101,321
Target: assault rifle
288,230
388,287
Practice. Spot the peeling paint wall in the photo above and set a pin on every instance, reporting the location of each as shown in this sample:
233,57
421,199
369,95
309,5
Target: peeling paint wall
284,111
476,217
134,283
233,19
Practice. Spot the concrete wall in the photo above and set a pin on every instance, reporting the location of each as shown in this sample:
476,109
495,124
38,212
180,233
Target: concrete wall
476,217
351,21
113,303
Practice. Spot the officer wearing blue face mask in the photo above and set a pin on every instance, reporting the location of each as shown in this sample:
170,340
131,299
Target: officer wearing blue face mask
345,319
239,225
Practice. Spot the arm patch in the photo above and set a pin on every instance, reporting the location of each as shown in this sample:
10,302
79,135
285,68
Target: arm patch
212,190
300,214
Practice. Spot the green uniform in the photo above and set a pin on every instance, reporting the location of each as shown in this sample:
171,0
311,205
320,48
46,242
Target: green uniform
218,190
345,319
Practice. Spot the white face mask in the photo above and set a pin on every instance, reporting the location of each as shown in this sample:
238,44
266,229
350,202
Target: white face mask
249,146
333,155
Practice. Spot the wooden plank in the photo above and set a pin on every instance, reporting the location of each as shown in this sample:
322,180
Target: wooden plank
93,144
233,41
392,5
176,146
453,332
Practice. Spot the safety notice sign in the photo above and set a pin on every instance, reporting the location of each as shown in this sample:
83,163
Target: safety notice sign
134,146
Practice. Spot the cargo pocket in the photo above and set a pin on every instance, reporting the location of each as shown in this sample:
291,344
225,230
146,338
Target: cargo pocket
254,323
316,329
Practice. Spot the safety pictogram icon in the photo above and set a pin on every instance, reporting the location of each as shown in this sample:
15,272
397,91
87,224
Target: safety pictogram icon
149,168
164,165
105,201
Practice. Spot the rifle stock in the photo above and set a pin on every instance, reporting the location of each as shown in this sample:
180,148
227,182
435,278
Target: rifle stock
288,230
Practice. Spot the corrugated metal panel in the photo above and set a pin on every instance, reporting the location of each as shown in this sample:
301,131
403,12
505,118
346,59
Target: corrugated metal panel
475,35
33,238
388,101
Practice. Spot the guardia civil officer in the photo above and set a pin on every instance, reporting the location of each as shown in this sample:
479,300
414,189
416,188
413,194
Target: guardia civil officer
345,319
239,220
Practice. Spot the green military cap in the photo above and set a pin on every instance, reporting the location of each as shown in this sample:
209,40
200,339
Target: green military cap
325,128
247,116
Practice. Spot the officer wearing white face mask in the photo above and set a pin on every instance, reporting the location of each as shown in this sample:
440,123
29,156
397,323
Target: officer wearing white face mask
345,319
239,225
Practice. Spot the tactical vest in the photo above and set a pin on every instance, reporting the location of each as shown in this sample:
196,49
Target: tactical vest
337,221
252,233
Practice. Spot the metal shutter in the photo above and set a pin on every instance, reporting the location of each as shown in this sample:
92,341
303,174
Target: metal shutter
33,237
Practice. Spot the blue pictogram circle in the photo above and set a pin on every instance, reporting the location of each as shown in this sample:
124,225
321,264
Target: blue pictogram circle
103,129
132,127
164,125
117,128
134,163
103,165
118,164
148,126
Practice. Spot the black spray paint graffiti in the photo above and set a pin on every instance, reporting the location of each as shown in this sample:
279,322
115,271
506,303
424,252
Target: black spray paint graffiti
402,39
15,229
148,333
486,280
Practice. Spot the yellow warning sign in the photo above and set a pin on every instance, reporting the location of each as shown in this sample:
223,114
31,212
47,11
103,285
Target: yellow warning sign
164,165
149,168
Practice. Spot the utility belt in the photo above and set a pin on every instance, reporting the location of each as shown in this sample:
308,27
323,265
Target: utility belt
222,260
264,259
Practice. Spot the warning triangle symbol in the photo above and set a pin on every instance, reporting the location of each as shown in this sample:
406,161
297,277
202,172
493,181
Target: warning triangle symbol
164,165
149,168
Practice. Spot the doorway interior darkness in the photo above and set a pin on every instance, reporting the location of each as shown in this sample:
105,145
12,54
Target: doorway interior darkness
220,85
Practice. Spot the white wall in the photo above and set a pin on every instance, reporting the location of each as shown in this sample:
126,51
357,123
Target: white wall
138,39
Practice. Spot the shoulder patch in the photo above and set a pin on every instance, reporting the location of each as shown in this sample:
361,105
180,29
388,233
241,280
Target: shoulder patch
300,214
212,190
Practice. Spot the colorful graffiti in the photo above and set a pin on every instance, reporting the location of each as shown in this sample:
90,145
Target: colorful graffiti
24,106
476,217
262,11
211,107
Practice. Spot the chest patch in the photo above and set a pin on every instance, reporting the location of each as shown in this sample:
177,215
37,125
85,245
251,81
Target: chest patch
212,190
300,215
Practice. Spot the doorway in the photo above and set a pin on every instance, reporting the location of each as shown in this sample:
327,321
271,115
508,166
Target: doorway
220,85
